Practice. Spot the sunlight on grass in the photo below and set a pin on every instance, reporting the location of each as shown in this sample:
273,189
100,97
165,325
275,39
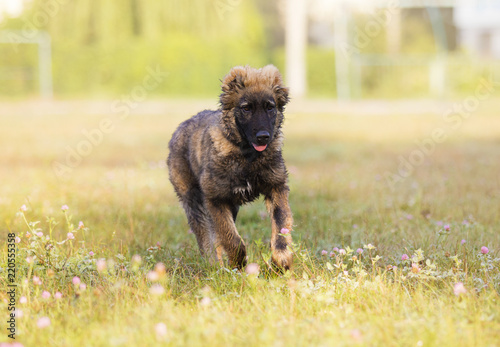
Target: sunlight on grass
104,257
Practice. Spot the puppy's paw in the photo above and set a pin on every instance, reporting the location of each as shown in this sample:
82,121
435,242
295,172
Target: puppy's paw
282,260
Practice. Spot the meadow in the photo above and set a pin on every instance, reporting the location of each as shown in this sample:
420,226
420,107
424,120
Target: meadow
104,256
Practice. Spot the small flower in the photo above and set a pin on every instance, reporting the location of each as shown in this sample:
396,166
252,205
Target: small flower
80,225
359,250
415,268
70,236
252,269
45,294
324,252
356,335
23,300
29,260
160,269
83,286
342,251
37,281
161,330
484,250
463,242
39,234
205,301
101,264
285,231
43,322
369,246
156,289
346,273
409,216
91,253
459,288
76,280
64,207
335,249
136,259
19,314
355,226
18,239
405,257
58,295
153,276
446,227
23,208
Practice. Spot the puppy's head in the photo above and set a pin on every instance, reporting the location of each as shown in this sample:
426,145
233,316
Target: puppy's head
252,103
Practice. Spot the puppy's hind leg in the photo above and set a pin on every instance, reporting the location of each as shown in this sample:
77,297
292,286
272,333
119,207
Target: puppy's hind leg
200,224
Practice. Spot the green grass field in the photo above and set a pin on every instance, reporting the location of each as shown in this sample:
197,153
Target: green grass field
339,160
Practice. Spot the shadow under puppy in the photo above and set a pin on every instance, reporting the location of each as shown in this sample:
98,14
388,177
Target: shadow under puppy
220,160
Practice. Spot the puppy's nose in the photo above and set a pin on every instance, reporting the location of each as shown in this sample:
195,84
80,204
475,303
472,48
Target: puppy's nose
263,137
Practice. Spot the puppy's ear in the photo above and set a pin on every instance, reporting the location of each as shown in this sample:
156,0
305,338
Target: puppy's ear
279,90
232,83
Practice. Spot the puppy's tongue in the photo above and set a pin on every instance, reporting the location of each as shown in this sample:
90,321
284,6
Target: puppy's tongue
259,148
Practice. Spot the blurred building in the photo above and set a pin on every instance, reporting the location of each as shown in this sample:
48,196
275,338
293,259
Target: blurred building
478,26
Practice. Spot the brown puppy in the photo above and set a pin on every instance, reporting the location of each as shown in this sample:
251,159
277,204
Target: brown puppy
220,160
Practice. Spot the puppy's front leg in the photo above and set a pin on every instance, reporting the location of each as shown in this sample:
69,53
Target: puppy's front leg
221,214
281,218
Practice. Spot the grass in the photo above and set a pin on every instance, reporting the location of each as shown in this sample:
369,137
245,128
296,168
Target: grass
340,198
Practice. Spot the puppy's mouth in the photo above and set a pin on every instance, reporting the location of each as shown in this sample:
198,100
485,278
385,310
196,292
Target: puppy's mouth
259,148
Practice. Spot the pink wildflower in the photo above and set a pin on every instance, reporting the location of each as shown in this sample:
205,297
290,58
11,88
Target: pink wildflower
252,269
459,288
161,330
43,322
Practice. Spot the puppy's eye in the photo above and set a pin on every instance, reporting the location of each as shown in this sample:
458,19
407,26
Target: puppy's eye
270,107
246,108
